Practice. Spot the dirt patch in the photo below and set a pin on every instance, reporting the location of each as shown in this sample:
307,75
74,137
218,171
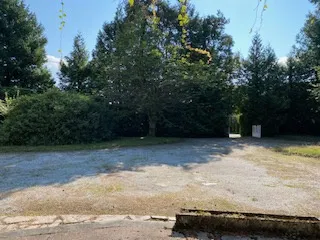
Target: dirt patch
91,201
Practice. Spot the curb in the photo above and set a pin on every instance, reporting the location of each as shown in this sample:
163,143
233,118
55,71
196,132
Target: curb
8,224
233,222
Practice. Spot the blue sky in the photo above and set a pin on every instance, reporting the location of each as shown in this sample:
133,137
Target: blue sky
281,22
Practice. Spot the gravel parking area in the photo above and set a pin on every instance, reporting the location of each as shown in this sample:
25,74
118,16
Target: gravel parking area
222,174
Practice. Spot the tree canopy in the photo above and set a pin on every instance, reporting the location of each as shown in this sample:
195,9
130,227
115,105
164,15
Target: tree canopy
135,64
22,53
74,72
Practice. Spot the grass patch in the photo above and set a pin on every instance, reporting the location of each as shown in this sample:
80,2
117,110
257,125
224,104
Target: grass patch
300,138
300,185
305,151
269,185
284,166
117,143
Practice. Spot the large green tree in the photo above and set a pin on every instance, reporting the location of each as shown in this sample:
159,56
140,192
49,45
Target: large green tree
135,73
303,74
75,72
108,37
146,68
22,53
103,52
265,100
203,89
301,104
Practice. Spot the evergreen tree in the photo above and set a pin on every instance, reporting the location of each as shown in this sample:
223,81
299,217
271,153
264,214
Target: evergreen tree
136,68
301,104
22,53
74,74
265,101
303,70
107,37
103,52
308,47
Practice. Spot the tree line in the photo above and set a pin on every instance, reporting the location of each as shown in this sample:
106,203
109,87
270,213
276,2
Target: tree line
142,79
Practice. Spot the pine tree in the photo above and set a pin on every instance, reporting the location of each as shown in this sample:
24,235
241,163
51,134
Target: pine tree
136,69
301,104
252,70
306,85
74,73
265,101
22,53
103,52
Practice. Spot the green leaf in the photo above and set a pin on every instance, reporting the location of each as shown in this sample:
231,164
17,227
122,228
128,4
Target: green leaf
131,2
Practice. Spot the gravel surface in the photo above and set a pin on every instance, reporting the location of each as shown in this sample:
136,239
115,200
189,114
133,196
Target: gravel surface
222,174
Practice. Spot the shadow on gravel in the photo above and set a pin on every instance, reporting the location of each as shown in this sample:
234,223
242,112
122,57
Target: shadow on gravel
23,170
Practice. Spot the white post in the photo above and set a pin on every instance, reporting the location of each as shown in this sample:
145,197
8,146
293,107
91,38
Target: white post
256,131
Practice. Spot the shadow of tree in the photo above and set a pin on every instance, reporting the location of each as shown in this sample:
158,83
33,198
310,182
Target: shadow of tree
24,170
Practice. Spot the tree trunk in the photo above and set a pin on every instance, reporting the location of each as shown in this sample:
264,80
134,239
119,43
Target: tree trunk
152,127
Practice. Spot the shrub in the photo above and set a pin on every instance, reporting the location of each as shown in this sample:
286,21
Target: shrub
129,123
201,117
56,117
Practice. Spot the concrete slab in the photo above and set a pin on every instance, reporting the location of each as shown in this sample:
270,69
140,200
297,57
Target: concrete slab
45,220
254,223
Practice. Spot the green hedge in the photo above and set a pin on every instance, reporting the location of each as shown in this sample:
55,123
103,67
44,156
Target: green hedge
56,117
205,116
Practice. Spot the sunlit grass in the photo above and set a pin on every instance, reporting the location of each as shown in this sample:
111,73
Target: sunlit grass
117,143
306,151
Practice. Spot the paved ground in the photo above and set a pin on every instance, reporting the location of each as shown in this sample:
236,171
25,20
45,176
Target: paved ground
103,227
221,174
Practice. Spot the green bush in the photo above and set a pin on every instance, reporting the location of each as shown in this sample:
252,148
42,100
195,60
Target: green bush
129,123
191,122
205,116
55,118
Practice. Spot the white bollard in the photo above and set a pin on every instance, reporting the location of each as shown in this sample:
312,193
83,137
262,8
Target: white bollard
256,131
